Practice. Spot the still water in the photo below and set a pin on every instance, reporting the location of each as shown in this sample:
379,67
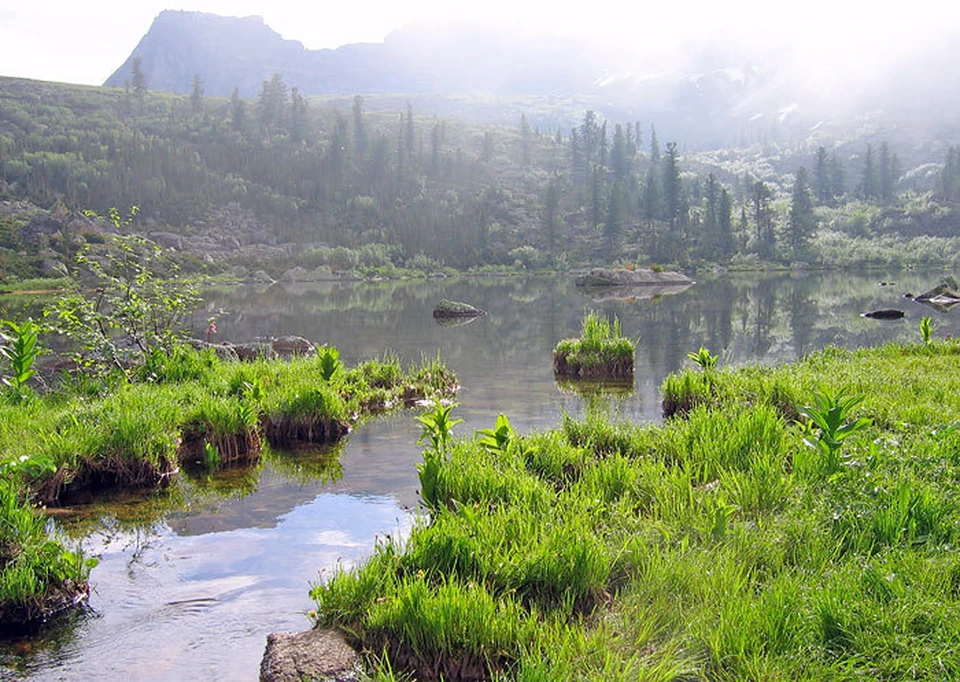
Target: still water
190,582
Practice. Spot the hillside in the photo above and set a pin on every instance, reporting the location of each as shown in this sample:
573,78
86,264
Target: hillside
287,181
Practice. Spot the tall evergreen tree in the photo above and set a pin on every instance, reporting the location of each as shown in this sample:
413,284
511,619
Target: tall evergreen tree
196,95
838,177
725,225
238,113
526,141
870,183
802,222
613,225
763,220
619,156
359,129
673,199
138,79
654,146
822,180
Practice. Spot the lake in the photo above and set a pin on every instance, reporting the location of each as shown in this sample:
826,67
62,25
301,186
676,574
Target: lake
191,581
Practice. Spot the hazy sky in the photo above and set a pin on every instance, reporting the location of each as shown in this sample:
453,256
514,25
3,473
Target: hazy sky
84,42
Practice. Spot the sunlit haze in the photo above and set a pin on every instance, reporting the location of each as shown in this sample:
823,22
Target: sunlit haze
85,42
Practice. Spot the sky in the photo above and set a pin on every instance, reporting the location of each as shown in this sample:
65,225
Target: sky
84,42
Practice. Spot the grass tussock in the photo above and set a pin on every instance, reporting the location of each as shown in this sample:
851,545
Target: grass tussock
768,534
601,352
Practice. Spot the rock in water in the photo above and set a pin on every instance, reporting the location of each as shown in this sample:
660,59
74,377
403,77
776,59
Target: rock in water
620,276
446,309
885,314
316,654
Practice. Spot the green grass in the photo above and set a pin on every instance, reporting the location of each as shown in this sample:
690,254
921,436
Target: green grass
188,408
715,546
601,352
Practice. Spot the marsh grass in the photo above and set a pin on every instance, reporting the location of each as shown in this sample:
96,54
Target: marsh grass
187,408
716,546
601,352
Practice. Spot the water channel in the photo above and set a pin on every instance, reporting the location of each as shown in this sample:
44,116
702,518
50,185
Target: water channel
190,582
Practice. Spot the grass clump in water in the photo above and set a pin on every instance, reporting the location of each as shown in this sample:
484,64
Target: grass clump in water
601,352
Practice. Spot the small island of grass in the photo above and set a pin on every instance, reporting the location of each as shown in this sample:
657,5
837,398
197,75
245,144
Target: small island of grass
601,352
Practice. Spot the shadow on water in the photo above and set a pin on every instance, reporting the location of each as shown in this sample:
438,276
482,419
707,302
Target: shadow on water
192,580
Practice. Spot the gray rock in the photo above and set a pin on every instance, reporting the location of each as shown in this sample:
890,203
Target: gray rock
249,352
167,240
885,314
320,655
619,277
293,345
942,297
446,309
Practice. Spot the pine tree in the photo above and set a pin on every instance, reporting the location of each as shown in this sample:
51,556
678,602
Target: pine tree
870,177
838,177
196,95
359,129
725,225
551,205
619,160
654,146
673,199
525,140
802,221
613,225
763,220
822,181
238,114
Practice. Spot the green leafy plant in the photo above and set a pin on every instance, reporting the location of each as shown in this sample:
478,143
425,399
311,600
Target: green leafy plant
703,358
830,424
211,457
437,426
20,349
330,363
497,439
124,301
926,329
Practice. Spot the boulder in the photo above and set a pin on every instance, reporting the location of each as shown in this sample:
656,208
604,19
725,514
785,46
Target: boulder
942,297
320,655
293,345
885,314
249,352
447,309
604,277
167,240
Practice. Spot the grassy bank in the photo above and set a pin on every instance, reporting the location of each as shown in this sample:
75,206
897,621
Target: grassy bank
186,410
780,529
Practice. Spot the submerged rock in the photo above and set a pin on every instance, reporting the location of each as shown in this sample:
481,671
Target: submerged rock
942,297
885,314
321,655
446,309
599,277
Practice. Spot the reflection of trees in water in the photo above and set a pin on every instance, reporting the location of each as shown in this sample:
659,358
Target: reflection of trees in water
744,317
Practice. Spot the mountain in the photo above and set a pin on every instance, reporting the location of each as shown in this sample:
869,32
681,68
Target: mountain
707,95
228,53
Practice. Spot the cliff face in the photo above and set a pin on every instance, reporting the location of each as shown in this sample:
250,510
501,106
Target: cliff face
226,52
229,52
